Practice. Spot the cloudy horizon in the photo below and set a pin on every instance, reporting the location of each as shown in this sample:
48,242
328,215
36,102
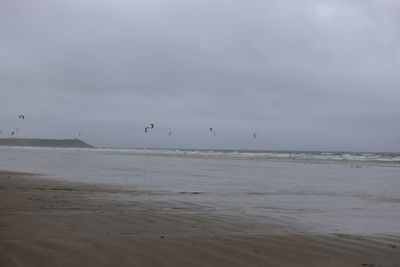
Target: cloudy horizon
305,75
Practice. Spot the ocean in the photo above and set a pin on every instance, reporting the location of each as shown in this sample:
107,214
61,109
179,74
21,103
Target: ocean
324,192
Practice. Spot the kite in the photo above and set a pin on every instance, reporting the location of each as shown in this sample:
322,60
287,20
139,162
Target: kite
151,126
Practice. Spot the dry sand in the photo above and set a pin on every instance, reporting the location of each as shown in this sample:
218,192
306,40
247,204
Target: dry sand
55,223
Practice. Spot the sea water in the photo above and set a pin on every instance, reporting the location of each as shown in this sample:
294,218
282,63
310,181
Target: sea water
317,191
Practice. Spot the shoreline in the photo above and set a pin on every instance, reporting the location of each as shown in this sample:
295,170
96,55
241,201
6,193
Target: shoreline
45,222
356,163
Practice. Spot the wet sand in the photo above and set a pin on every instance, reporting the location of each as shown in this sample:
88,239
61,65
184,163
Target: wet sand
45,222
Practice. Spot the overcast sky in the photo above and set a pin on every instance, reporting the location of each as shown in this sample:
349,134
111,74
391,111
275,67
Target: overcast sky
306,75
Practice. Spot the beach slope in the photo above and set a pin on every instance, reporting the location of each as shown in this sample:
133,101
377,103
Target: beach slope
55,223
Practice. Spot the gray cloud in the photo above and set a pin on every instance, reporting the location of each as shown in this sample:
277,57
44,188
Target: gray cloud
305,74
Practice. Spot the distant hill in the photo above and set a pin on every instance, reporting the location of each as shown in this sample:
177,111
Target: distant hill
43,142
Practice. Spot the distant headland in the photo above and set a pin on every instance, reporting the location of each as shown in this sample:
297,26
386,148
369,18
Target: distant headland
36,142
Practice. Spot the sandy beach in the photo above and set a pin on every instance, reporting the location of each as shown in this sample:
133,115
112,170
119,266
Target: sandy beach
199,133
45,222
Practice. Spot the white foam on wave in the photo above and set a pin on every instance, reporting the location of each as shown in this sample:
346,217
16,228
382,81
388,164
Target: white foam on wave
235,154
